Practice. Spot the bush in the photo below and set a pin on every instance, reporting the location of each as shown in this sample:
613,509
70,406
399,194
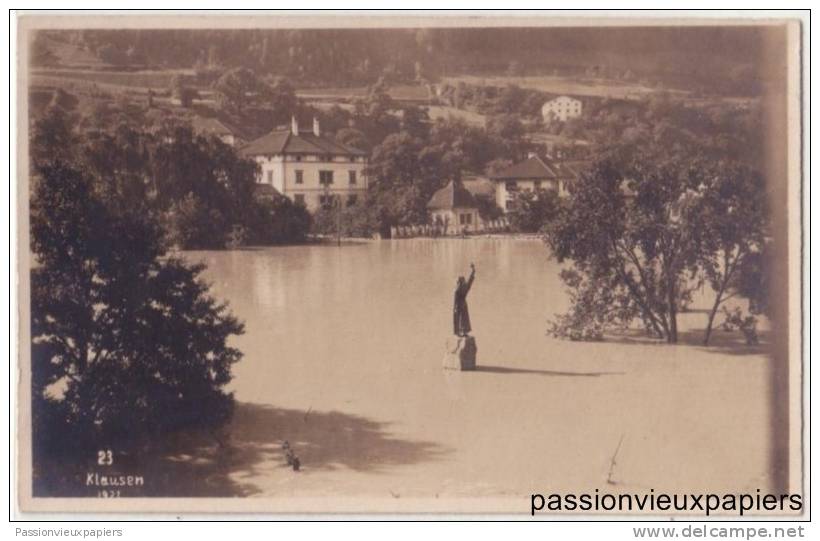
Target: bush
278,221
358,221
597,305
191,225
532,210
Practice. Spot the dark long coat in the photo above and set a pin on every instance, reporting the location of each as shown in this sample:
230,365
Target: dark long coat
461,315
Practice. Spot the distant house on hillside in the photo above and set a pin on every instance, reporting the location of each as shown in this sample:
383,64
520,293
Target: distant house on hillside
308,167
537,172
208,126
455,209
561,108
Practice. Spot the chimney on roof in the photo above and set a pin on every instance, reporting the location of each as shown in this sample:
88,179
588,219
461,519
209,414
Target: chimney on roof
316,131
294,126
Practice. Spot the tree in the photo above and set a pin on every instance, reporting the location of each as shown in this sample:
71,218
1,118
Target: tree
372,114
282,98
356,220
54,136
202,186
183,91
488,209
399,190
477,146
110,54
126,342
629,227
734,226
64,100
238,88
193,225
508,131
41,53
415,121
278,220
353,138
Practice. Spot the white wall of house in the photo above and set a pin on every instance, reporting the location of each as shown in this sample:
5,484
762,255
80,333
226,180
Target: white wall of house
561,108
282,172
505,190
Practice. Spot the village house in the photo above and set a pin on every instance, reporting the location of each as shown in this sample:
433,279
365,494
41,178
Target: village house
207,126
309,167
454,209
561,108
537,172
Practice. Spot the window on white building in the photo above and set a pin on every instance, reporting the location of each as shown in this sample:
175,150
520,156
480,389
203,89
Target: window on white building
327,201
352,177
299,176
325,177
299,199
352,199
270,177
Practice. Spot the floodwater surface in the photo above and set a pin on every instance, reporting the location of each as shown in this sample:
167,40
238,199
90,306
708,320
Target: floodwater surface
343,358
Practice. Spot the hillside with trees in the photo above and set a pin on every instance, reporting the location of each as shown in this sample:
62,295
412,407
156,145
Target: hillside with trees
679,57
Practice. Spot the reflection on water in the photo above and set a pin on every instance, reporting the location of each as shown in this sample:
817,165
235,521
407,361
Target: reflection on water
377,307
355,336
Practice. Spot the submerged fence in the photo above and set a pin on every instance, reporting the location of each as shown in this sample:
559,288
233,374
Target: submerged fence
499,225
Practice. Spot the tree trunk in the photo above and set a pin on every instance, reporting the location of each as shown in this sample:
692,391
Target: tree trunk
672,335
728,269
712,313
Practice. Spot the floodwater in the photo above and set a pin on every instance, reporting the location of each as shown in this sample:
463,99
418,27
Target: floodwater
342,357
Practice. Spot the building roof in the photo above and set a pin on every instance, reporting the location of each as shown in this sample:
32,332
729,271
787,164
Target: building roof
210,126
282,141
454,195
538,168
564,97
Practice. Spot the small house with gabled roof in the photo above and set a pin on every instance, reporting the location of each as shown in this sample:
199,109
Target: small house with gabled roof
454,209
537,172
210,126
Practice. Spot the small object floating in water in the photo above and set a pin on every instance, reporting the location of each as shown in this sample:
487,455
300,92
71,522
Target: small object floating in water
291,458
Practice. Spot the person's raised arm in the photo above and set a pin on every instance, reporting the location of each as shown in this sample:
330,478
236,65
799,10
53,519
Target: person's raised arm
470,279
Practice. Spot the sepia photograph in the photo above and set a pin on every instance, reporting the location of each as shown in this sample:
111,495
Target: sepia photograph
372,263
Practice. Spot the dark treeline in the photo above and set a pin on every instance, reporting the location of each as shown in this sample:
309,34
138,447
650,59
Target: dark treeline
197,189
677,56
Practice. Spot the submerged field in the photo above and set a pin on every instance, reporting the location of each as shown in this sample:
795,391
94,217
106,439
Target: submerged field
343,351
343,359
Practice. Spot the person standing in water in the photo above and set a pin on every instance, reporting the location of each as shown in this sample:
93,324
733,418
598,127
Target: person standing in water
461,316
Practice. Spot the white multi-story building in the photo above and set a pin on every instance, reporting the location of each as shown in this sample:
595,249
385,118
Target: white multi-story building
561,108
308,167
